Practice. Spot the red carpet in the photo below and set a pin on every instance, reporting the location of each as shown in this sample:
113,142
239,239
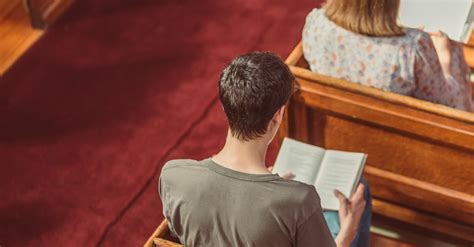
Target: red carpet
91,112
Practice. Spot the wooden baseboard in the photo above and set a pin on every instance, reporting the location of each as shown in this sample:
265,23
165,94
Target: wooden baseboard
16,31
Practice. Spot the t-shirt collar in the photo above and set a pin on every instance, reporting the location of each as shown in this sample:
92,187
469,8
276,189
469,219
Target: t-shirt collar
239,175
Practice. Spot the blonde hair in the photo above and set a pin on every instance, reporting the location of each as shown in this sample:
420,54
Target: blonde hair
368,17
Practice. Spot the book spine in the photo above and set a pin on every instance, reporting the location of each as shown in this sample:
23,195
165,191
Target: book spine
468,26
467,32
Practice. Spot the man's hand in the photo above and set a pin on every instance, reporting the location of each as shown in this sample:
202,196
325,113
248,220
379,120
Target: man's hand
350,213
287,175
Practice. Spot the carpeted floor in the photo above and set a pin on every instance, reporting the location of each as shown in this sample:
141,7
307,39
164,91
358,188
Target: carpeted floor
114,89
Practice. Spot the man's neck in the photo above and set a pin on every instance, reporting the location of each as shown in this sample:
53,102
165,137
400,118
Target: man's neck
243,156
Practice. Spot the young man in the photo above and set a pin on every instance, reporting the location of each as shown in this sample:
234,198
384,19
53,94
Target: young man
232,199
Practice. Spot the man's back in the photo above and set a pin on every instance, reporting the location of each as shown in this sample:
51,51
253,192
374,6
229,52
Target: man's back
209,205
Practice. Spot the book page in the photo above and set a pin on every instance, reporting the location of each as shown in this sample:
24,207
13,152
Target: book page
449,16
339,170
301,159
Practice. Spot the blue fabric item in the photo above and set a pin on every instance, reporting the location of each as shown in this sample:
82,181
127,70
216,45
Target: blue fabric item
363,234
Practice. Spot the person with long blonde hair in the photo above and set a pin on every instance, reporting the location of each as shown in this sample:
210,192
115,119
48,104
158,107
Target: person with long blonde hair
362,42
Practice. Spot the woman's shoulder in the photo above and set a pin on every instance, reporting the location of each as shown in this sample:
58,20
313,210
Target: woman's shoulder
315,14
416,35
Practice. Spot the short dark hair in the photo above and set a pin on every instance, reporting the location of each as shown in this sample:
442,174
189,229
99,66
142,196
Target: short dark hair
252,88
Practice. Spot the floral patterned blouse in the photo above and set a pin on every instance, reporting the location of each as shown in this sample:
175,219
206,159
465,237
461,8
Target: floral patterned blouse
406,64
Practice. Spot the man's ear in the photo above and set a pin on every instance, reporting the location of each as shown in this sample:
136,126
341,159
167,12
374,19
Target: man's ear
278,117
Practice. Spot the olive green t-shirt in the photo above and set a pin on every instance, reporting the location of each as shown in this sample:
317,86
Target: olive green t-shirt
210,205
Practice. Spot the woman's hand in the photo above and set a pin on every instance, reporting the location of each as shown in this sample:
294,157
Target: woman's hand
442,44
350,213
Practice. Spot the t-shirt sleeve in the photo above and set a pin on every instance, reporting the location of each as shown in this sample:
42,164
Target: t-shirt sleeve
436,86
162,194
314,232
160,188
163,191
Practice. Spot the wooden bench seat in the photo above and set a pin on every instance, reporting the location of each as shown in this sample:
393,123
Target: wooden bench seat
420,155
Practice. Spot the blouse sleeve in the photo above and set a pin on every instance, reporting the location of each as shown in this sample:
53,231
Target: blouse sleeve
308,37
433,84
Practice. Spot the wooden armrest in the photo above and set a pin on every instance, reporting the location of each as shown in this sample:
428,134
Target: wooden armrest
162,237
165,243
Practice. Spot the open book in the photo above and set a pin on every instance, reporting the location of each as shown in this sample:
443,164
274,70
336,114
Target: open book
454,17
327,170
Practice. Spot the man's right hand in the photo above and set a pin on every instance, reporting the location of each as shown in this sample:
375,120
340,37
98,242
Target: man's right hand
350,213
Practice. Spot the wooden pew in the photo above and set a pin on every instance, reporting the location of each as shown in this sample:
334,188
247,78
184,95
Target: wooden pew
469,54
420,155
162,237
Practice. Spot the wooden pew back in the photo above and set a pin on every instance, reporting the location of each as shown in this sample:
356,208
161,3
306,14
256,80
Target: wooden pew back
420,155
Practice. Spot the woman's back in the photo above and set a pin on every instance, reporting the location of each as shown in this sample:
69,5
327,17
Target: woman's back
406,64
